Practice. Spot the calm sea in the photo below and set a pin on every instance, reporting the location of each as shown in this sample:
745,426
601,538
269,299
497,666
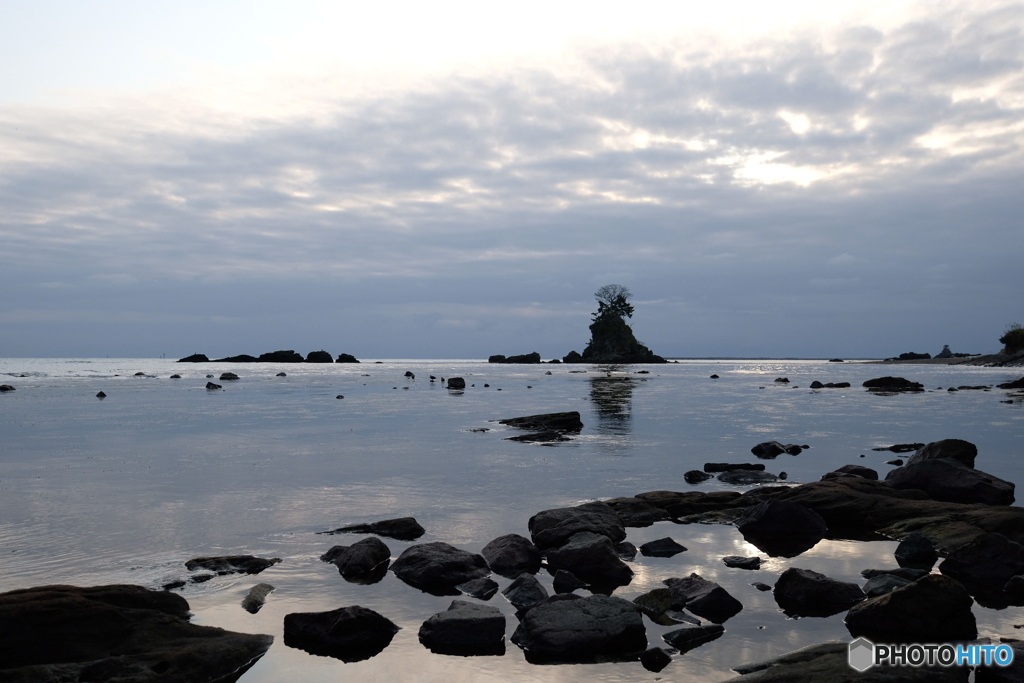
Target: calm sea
127,488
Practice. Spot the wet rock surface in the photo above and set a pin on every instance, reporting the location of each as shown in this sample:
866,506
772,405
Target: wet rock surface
351,634
557,422
120,632
465,629
552,528
704,598
592,558
256,597
690,637
568,628
782,528
932,609
232,564
807,593
363,562
438,568
511,555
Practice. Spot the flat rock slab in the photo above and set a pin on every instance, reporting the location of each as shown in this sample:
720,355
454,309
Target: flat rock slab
568,628
559,422
351,634
232,564
438,568
125,633
548,436
465,629
745,477
401,529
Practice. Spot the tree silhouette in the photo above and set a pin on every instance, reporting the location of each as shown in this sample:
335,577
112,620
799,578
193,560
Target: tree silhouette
613,302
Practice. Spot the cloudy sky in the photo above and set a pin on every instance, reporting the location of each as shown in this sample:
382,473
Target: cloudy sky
455,179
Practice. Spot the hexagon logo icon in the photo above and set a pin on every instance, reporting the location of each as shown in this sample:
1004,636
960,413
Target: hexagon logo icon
862,654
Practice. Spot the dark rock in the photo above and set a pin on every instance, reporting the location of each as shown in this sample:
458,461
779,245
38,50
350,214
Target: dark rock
364,562
1015,384
257,595
655,659
481,589
559,422
116,633
525,592
695,477
908,573
963,452
540,437
551,528
572,357
288,356
319,357
347,358
232,564
566,582
763,587
793,449
986,563
339,396
592,558
662,606
175,376
950,481
612,341
636,512
5,388
1014,589
209,385
409,374
806,593
933,609
897,462
194,358
402,529
351,634
892,385
739,562
456,383
568,628
496,358
663,547
437,568
911,355
745,477
781,528
465,629
244,358
837,385
690,637
782,380
728,467
704,598
714,376
817,385
511,555
916,551
226,376
768,449
526,358
945,352
882,584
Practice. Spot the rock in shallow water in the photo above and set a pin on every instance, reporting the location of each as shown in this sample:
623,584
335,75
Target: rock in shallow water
364,562
124,633
350,634
402,529
438,567
704,598
568,628
465,629
781,528
806,593
511,555
933,609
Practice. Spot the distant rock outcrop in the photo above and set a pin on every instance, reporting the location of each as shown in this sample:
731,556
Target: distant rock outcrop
319,357
524,358
195,358
612,341
347,358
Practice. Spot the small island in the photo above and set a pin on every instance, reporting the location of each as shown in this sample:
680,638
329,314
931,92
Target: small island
611,339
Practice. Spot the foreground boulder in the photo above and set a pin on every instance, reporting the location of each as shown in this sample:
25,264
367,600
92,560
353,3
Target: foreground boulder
465,629
933,609
123,633
704,598
951,481
568,628
438,568
350,634
552,528
591,557
782,528
363,562
806,593
512,555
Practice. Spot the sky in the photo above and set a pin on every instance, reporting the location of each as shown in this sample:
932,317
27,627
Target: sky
456,179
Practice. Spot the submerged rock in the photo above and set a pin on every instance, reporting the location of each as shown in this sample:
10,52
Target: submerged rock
118,632
558,422
257,595
232,564
351,634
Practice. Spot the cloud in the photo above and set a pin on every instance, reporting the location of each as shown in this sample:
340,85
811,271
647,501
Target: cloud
685,171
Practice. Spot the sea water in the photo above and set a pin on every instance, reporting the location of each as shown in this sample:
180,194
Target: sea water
125,489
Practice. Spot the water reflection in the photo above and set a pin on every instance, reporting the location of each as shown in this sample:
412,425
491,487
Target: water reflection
612,396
